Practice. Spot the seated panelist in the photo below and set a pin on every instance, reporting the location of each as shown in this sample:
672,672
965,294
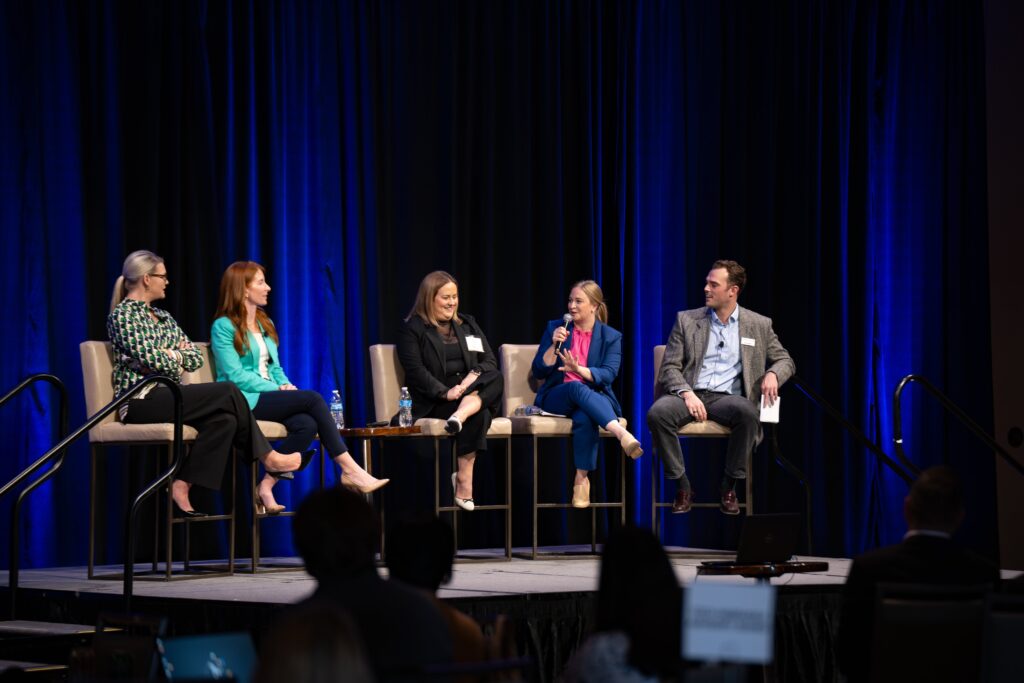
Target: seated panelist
245,346
578,359
451,373
146,341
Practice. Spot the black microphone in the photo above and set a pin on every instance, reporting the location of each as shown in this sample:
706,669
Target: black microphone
721,344
567,319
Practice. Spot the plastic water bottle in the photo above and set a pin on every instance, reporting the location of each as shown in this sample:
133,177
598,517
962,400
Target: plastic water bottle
337,409
405,408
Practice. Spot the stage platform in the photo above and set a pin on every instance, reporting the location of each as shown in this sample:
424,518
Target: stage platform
549,601
470,580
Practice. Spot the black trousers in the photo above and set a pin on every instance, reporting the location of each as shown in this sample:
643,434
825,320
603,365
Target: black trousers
305,414
473,436
219,412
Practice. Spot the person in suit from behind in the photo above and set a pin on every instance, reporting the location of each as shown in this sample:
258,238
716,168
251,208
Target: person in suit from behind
245,342
934,510
578,359
451,372
336,531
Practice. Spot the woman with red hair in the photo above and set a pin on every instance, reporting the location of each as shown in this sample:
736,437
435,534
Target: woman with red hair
244,343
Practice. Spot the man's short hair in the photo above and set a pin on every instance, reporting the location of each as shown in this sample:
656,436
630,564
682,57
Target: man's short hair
335,532
737,273
936,499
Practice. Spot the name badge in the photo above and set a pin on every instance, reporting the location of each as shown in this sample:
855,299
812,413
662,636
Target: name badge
473,343
747,341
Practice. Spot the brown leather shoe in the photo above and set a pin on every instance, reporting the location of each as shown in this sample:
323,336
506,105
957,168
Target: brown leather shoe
683,502
729,505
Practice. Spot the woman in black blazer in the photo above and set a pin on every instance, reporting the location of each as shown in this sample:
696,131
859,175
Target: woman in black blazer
451,373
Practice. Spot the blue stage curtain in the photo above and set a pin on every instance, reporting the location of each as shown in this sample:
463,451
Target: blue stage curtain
833,148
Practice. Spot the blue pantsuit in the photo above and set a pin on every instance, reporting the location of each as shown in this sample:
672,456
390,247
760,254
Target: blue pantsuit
591,405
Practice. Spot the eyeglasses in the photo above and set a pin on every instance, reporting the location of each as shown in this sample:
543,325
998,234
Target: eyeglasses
162,276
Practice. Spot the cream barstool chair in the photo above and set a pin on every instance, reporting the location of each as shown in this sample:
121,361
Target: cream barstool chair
273,431
388,378
97,370
516,362
706,429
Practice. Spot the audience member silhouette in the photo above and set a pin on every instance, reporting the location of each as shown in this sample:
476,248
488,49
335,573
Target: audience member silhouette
313,643
639,610
933,509
420,553
335,532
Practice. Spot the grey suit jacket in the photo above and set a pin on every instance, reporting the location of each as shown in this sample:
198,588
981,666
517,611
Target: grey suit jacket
688,342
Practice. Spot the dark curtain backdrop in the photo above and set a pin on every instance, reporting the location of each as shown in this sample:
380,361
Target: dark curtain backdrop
834,148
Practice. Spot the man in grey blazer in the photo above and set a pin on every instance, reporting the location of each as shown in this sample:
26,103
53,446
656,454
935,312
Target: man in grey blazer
718,362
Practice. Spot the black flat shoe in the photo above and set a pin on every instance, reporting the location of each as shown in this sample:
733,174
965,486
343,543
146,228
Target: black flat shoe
191,514
307,456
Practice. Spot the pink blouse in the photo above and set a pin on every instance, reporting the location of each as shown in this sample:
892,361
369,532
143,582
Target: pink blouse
580,350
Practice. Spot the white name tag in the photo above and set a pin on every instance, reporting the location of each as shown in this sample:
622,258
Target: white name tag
747,341
473,343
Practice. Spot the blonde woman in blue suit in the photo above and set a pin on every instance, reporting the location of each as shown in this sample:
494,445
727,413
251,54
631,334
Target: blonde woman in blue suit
244,343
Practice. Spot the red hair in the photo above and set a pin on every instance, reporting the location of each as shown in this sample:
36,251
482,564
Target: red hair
231,302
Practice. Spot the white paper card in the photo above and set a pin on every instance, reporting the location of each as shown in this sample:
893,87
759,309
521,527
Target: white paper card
729,623
474,344
770,414
747,341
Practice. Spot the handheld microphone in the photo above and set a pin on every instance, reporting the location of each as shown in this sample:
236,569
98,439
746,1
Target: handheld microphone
567,319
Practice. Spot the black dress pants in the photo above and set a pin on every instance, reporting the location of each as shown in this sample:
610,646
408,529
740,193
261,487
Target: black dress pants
219,412
305,414
473,436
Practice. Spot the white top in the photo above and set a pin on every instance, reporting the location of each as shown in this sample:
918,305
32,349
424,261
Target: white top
264,356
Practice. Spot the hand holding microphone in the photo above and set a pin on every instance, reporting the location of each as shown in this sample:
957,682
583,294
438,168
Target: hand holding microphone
561,333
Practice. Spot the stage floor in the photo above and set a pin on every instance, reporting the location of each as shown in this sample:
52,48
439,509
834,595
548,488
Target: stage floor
471,580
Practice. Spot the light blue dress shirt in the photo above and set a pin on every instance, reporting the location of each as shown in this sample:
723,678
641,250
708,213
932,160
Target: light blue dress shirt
722,369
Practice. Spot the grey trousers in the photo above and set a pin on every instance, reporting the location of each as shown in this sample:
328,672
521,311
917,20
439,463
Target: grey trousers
737,413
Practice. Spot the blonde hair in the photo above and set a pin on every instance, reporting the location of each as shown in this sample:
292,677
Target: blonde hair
136,265
596,296
424,304
231,302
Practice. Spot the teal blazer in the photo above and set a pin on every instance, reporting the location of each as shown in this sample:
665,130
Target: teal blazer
243,370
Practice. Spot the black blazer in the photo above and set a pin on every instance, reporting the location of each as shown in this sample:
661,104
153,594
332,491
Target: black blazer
918,559
421,353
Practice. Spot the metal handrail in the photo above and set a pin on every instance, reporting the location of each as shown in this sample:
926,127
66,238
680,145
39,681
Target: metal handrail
950,407
16,512
834,413
60,448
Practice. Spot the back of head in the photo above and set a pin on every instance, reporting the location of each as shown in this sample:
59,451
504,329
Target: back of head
336,533
420,552
935,501
136,264
639,594
313,643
